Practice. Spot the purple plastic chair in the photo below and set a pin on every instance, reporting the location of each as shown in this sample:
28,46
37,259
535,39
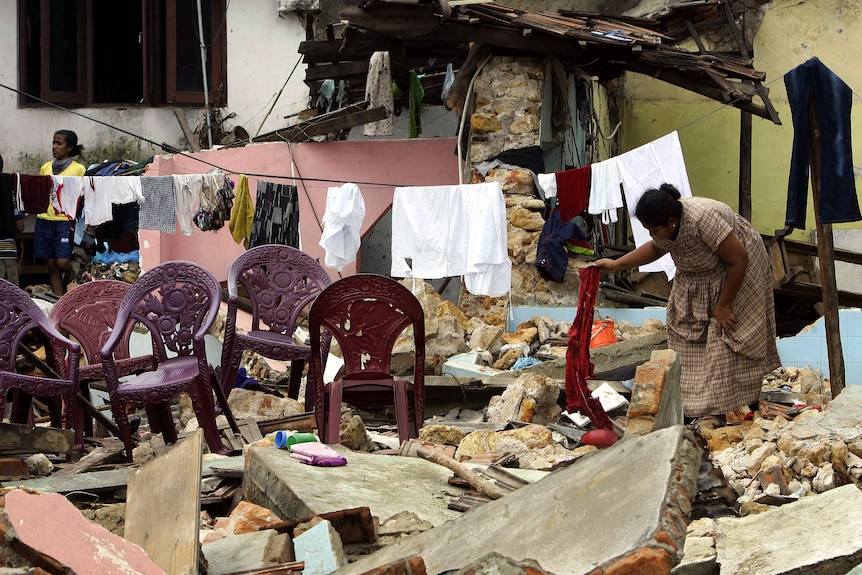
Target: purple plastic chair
281,282
87,314
366,314
20,315
177,302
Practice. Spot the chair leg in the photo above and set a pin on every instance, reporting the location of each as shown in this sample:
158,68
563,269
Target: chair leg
333,413
297,366
205,412
22,407
161,421
223,404
75,420
229,371
122,421
402,415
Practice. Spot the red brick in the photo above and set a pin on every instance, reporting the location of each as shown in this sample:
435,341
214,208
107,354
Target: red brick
664,538
413,565
644,561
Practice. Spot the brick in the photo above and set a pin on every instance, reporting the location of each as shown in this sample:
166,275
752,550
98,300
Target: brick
647,390
664,538
413,565
644,561
665,357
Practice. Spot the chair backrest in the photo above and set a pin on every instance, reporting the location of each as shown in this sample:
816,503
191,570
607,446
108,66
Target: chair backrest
87,313
19,314
177,302
280,281
366,313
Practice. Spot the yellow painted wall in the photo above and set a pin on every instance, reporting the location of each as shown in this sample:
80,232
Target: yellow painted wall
791,32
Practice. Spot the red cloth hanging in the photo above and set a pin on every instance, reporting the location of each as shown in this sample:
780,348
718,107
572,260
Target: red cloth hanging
579,368
573,191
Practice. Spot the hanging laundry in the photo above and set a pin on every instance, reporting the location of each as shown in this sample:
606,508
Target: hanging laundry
445,231
35,193
276,215
159,210
378,92
573,192
417,93
547,185
242,215
342,224
188,190
97,200
205,215
552,255
224,204
7,206
833,100
66,192
606,195
650,166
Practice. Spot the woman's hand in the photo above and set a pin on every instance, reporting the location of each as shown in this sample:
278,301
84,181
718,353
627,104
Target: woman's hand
606,265
724,319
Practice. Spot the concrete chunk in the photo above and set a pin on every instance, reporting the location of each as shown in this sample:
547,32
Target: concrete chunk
253,550
386,485
321,550
819,535
621,501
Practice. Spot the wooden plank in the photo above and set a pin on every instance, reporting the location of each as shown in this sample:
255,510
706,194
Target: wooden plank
187,131
110,448
17,438
163,507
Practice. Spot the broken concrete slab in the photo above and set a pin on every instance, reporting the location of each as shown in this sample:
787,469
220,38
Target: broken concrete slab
840,419
628,503
819,535
320,549
68,540
255,550
386,485
698,557
469,365
496,564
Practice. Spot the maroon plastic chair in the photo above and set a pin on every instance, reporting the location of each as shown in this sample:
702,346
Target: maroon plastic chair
177,302
281,282
86,314
19,315
366,314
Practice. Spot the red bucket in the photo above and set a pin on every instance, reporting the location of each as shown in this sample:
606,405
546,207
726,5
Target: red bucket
602,333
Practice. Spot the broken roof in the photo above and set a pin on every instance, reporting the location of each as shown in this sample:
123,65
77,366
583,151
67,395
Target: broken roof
426,36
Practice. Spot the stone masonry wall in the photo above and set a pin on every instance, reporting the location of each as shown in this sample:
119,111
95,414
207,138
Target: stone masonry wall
507,116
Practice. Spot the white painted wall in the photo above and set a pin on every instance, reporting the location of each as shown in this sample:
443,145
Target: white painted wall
262,50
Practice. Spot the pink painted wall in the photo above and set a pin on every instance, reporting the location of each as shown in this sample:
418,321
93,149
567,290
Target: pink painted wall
376,166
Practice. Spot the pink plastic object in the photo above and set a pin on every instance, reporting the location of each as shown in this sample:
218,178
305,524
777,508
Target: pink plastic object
366,314
281,282
87,314
314,453
177,302
20,315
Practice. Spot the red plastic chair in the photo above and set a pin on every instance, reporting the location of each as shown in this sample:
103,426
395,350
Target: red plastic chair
281,282
366,314
177,302
87,314
19,315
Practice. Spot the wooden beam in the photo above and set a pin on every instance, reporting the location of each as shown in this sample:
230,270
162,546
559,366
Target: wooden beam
325,124
187,131
745,128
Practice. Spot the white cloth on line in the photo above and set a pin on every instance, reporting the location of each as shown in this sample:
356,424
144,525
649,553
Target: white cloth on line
126,190
342,224
97,200
65,193
188,190
378,92
605,192
548,184
646,167
458,230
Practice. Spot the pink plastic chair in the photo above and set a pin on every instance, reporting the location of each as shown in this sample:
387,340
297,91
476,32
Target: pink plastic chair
20,315
366,314
281,282
87,314
177,302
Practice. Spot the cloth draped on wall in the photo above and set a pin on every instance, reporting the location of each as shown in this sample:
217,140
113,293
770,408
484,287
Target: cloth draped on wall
579,368
378,92
342,225
832,102
276,215
242,215
650,166
446,231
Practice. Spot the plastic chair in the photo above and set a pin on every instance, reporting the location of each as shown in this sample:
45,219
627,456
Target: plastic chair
87,314
366,314
19,315
177,302
281,282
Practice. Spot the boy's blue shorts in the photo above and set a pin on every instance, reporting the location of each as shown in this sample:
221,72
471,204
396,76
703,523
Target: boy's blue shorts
52,240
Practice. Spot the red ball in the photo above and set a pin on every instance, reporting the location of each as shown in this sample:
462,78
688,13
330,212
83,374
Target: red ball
599,438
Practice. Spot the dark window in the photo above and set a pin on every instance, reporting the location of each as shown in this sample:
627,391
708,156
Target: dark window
143,52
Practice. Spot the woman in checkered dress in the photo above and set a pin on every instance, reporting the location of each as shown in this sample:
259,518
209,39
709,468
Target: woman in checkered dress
721,312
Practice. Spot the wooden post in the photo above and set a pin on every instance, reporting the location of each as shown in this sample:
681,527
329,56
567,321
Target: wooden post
745,164
826,255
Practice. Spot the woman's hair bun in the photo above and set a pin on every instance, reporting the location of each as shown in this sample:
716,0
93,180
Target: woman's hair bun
671,190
